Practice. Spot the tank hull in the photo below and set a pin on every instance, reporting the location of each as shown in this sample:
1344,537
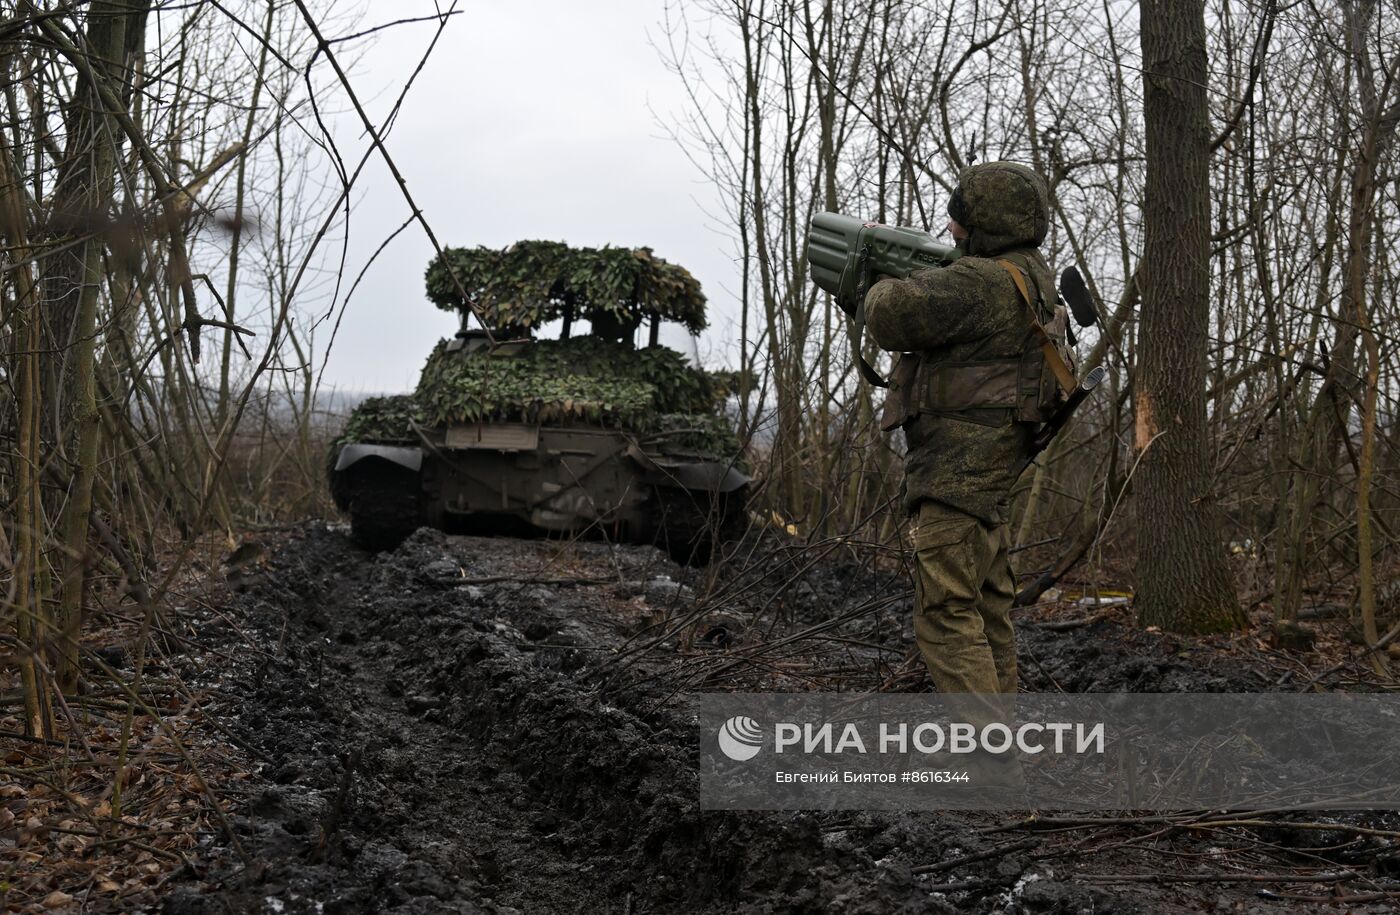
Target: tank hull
522,480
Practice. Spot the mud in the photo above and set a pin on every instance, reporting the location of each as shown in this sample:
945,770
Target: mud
448,728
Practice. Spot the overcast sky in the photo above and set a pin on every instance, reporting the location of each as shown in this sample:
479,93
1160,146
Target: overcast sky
531,120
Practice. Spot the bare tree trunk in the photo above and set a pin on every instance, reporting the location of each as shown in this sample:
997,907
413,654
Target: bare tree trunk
115,32
31,623
240,195
1379,126
1183,582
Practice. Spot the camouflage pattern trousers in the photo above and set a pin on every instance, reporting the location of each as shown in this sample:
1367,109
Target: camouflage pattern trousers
964,588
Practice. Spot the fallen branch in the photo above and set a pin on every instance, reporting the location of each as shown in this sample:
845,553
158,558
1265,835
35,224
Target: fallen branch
1329,900
951,863
1040,824
1218,878
1066,625
1068,560
1380,645
962,886
526,580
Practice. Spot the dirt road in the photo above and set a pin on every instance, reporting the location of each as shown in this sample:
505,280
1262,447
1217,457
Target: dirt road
468,725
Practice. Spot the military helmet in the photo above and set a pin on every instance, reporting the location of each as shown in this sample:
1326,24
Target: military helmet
1002,205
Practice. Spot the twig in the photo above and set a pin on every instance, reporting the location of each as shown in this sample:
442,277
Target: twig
1380,645
962,886
1329,900
1218,878
1041,824
526,580
331,824
951,863
1066,625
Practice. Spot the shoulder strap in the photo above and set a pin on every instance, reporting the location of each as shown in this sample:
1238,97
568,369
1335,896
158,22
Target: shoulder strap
1052,354
1019,279
867,371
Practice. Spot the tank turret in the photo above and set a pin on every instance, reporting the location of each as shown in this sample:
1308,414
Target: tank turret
587,434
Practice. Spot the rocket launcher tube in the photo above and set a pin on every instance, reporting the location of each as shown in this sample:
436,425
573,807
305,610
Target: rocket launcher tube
846,253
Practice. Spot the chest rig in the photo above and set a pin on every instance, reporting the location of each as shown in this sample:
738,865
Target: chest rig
1033,385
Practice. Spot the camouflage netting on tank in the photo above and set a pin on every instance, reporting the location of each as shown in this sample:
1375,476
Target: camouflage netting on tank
534,282
381,419
696,432
584,378
651,392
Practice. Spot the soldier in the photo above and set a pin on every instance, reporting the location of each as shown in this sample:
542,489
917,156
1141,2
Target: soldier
973,382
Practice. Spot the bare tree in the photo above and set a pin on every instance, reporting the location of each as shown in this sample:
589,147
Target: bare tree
137,179
1183,581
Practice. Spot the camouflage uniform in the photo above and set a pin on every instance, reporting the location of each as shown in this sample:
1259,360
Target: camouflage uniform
962,463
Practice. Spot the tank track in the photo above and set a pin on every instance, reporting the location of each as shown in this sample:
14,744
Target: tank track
385,507
691,528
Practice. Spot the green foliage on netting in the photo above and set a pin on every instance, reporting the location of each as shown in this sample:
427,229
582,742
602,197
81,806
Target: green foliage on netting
534,282
585,379
700,433
652,393
381,419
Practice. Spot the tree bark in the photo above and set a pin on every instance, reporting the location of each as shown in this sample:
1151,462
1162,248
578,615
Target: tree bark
1184,584
29,588
115,32
1379,127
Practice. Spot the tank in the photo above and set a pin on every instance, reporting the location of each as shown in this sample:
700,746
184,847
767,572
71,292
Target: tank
511,433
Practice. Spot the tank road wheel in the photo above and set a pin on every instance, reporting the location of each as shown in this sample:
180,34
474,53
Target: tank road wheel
385,505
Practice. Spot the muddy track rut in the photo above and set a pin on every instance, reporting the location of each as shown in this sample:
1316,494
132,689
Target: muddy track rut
436,738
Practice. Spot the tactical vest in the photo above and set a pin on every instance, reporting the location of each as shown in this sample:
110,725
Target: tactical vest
1033,385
